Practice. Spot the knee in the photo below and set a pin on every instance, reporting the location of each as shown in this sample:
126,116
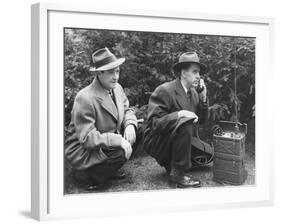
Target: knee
115,154
185,129
120,155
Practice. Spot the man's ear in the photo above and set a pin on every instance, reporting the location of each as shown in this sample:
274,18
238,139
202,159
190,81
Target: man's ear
181,74
99,73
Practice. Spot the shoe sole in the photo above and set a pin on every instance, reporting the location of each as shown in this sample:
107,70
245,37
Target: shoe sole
183,186
94,188
177,185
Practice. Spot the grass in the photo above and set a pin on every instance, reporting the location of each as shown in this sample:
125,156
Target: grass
144,173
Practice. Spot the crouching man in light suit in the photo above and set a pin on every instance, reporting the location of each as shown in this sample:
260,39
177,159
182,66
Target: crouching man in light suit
103,127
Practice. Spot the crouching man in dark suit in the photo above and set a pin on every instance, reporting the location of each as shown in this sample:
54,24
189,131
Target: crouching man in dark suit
103,127
173,108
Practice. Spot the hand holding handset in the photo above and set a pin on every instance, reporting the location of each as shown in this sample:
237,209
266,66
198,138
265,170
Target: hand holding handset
200,87
201,90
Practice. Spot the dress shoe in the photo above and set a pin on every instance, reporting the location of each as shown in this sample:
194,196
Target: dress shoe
118,175
181,180
85,182
90,185
93,186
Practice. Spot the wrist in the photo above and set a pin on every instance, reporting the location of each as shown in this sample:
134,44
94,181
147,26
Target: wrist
129,125
180,114
203,99
132,126
123,142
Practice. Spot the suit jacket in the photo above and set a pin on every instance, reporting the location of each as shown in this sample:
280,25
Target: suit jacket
164,104
96,122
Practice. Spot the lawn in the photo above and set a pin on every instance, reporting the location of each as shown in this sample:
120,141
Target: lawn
143,173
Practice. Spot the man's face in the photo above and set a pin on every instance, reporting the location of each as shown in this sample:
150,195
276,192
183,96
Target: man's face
109,78
191,74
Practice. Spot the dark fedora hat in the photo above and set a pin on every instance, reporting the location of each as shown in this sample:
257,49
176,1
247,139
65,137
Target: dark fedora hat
188,58
104,60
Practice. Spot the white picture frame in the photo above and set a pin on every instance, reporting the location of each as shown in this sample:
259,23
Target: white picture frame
48,201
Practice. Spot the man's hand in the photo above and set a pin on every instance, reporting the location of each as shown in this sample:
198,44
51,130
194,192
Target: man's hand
130,134
188,114
203,94
126,146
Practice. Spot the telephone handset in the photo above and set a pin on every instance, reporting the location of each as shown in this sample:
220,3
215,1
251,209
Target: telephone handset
200,87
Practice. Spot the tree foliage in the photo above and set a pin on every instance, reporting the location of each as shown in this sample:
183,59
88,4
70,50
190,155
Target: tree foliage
149,59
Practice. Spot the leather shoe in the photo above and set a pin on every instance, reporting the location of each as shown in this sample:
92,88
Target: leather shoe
84,181
184,181
90,185
93,186
118,175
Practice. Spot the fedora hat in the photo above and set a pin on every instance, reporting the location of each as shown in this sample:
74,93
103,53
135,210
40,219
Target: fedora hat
187,58
104,60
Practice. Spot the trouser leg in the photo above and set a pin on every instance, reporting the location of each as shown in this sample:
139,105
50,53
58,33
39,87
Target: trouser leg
181,148
103,171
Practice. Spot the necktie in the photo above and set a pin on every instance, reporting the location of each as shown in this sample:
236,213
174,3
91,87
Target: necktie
112,96
188,94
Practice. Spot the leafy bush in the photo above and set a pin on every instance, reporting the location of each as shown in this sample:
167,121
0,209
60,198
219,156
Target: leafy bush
149,59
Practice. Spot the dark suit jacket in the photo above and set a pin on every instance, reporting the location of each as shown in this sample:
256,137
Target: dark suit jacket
164,104
96,122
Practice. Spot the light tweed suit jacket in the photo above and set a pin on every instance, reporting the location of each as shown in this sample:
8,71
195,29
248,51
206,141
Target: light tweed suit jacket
96,123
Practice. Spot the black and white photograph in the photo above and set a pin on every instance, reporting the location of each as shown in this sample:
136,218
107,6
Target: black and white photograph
147,111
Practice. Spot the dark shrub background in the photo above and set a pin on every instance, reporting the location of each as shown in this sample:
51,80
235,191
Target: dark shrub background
149,58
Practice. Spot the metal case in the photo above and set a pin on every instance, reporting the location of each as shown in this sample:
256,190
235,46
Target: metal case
229,154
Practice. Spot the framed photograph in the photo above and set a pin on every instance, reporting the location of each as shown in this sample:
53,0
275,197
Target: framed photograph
109,128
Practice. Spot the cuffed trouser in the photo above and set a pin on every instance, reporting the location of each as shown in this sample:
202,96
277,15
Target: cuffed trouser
103,171
181,148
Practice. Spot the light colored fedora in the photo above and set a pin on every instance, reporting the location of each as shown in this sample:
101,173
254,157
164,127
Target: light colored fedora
104,60
187,58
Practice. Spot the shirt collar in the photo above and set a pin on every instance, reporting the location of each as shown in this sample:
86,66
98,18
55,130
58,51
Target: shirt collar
185,89
110,92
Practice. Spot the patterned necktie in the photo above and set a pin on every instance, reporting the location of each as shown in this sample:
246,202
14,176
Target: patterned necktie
112,96
188,94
